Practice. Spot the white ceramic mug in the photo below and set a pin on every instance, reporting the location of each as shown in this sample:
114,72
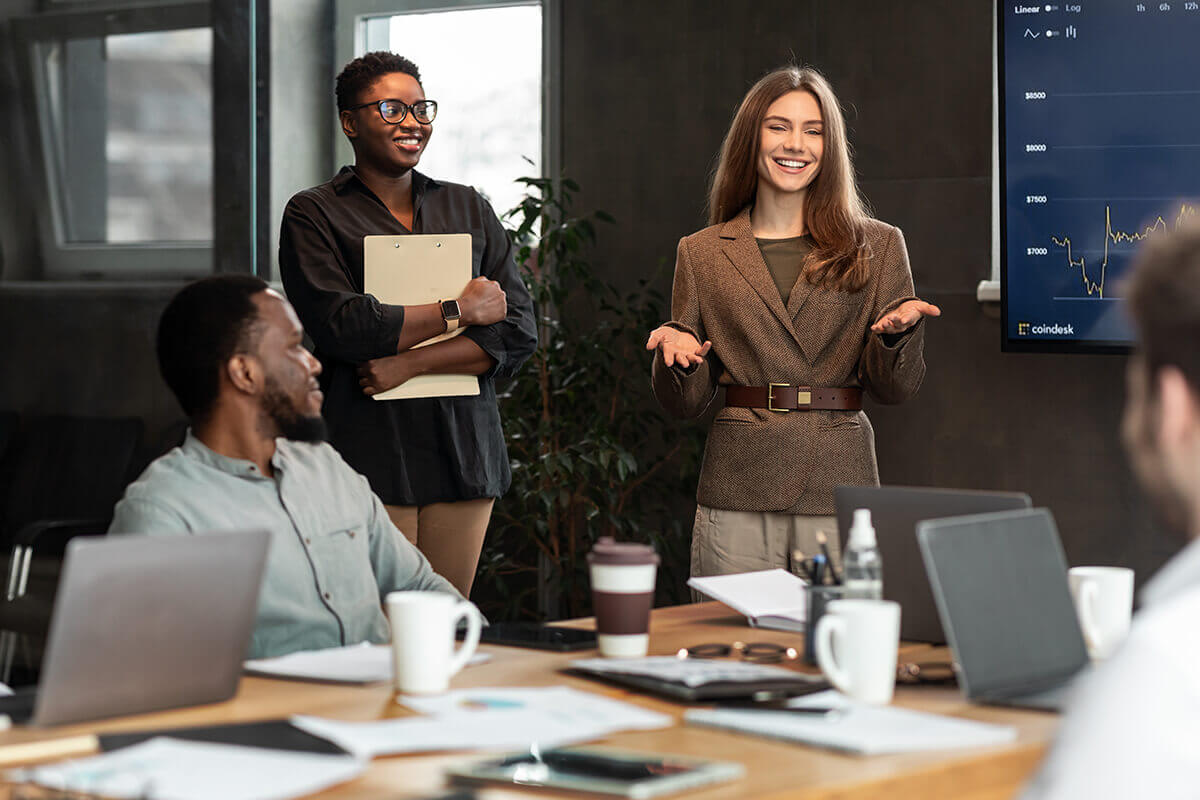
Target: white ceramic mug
857,642
423,627
1104,603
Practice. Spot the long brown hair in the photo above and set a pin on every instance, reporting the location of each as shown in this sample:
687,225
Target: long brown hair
834,213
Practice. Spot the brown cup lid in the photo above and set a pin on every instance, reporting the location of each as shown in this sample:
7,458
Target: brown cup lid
609,551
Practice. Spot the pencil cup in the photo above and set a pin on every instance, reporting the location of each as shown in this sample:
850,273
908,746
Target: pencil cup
818,597
622,595
423,626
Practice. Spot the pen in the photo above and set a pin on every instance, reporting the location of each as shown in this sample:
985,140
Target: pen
818,569
824,542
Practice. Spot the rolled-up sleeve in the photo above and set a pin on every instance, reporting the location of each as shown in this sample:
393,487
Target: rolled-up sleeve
512,340
343,322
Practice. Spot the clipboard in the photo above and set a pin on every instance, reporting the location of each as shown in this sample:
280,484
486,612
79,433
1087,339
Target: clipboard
413,270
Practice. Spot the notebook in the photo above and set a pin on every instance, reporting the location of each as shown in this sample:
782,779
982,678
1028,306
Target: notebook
770,598
413,270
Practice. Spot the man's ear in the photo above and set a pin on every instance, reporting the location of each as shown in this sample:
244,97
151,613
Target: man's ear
1179,418
349,125
245,373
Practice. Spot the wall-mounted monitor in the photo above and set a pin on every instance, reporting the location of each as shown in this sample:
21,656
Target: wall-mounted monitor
1099,137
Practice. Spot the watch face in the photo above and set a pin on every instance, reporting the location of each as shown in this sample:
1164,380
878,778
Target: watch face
450,309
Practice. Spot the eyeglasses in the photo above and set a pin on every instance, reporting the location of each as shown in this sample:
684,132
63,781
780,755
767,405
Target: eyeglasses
758,652
393,112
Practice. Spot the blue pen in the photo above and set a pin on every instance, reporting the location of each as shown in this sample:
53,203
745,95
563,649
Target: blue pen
818,570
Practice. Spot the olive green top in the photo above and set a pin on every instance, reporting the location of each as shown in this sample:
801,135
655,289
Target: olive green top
785,260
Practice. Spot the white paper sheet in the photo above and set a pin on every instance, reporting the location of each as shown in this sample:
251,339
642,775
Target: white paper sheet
171,769
357,663
857,728
489,719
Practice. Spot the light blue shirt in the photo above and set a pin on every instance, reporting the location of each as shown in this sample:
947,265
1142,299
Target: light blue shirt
334,553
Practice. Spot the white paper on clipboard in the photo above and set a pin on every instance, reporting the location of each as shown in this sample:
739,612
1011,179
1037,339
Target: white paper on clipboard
413,270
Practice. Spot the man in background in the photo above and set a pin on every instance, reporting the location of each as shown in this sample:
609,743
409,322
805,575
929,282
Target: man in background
1133,729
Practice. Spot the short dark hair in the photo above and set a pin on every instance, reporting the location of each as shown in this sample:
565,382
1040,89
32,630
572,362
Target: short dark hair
360,73
1164,301
204,325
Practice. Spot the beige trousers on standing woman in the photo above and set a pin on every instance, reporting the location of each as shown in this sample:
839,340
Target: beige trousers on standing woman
727,542
449,534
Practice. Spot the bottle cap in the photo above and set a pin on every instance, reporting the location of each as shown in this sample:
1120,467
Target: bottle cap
862,533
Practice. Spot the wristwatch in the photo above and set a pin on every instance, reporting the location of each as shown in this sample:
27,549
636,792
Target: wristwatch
451,313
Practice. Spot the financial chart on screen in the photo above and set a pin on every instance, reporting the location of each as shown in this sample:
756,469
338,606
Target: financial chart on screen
1099,151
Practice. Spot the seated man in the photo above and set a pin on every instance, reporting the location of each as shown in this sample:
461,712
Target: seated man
1132,728
231,350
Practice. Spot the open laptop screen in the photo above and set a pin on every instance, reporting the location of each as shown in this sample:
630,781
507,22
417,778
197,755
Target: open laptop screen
1000,581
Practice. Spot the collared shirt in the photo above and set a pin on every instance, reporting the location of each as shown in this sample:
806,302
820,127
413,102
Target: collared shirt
420,451
333,555
1133,725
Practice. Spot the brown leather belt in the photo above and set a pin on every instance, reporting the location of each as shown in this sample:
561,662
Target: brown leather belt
785,397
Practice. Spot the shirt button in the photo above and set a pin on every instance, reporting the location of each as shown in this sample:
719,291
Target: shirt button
307,540
328,596
351,534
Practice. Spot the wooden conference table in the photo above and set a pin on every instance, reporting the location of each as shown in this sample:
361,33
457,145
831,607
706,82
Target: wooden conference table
773,769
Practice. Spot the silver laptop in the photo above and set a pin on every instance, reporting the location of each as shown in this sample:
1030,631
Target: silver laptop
895,512
142,623
1000,583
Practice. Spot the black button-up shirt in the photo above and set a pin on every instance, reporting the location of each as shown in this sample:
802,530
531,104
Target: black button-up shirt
420,451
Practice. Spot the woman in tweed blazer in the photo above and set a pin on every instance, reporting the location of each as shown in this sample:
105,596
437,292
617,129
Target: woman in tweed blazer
795,302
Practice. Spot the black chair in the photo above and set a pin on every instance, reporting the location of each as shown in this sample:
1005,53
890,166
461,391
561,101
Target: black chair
59,478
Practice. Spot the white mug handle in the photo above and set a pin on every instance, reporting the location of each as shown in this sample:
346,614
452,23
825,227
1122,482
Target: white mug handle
1089,591
827,627
465,609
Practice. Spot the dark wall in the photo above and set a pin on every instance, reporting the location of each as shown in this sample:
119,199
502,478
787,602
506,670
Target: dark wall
649,92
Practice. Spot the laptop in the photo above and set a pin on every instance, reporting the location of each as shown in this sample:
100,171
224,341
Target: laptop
895,512
142,623
1000,583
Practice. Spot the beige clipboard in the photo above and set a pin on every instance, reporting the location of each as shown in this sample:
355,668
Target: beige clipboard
414,270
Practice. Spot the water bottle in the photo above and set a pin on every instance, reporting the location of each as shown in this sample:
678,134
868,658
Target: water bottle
863,564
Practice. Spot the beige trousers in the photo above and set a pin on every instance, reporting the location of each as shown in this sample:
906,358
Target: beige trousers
727,542
449,534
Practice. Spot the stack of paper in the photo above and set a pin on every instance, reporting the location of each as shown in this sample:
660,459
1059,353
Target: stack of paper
171,769
857,728
770,598
356,663
488,719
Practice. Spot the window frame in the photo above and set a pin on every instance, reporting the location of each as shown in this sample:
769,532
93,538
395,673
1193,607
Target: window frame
350,37
62,260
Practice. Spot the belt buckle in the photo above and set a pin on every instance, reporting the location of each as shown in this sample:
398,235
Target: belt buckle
771,387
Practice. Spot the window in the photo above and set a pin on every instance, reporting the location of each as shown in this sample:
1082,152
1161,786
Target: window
484,64
122,133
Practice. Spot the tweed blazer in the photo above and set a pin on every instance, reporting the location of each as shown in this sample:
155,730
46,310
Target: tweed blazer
760,460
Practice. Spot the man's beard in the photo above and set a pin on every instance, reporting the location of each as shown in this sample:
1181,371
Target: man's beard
289,423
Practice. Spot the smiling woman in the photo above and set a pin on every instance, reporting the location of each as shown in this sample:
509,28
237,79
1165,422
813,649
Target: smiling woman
437,463
793,300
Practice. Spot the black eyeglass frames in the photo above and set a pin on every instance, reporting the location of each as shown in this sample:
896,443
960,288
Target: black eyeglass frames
393,112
